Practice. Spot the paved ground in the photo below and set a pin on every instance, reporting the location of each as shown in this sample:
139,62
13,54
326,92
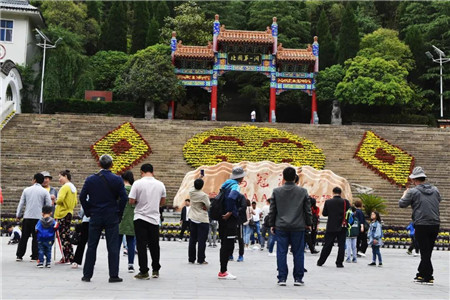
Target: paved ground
256,278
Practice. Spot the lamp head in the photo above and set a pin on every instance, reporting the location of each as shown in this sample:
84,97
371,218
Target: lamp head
429,55
438,51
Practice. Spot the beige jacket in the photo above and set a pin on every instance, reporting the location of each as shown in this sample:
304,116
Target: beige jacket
199,201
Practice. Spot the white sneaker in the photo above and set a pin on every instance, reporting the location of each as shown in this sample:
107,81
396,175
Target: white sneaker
226,276
416,254
271,254
361,254
74,265
255,247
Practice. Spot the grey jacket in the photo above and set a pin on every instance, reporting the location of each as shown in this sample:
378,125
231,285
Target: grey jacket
199,199
290,208
424,200
34,198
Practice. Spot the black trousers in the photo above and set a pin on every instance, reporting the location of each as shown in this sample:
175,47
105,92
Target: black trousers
28,228
198,237
84,234
426,236
240,239
413,245
147,234
310,239
228,234
361,242
329,241
184,226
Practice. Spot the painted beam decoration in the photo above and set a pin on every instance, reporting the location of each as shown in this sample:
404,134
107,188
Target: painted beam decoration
126,146
251,143
260,180
386,160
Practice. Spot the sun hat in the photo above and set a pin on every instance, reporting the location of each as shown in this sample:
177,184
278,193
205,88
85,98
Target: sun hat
237,172
46,174
417,173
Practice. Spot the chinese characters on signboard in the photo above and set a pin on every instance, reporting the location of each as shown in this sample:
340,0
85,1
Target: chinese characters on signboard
244,59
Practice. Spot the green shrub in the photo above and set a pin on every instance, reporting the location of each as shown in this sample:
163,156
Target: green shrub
393,119
372,203
94,107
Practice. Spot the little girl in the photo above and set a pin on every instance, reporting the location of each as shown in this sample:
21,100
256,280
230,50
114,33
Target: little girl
375,235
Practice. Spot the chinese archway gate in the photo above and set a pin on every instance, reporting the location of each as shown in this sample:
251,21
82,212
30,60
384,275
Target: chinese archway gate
251,51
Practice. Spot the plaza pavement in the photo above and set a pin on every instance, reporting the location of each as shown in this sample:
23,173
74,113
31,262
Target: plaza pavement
256,278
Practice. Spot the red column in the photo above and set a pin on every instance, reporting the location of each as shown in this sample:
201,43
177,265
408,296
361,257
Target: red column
172,104
213,103
313,106
273,96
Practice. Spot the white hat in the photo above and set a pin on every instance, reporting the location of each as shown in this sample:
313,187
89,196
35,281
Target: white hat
417,173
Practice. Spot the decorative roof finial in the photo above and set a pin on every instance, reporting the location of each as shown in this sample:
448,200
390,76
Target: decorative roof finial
216,17
174,34
316,39
274,19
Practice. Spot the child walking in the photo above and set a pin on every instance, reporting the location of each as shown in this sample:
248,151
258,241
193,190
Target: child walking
414,245
45,232
352,234
375,238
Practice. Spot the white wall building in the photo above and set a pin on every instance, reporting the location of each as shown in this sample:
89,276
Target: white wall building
17,46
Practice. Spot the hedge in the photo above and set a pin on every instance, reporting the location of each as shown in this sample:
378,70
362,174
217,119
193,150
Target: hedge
394,119
94,107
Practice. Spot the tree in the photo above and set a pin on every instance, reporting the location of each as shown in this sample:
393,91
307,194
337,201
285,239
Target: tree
232,13
293,21
114,35
66,67
149,76
153,33
384,43
327,46
366,17
348,43
327,80
140,26
66,14
105,67
161,12
374,81
190,24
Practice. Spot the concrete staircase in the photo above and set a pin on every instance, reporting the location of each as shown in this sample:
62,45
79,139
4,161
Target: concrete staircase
31,143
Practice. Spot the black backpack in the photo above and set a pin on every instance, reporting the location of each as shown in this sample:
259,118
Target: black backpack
242,209
216,208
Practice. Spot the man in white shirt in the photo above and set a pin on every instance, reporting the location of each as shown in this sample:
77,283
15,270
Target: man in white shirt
253,116
257,227
148,194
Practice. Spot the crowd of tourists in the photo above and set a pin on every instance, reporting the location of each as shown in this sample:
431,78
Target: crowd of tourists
129,210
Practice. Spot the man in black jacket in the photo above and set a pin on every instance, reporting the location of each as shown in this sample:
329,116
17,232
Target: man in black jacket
184,220
335,209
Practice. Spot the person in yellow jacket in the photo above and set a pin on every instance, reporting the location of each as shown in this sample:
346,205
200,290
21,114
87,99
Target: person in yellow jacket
65,203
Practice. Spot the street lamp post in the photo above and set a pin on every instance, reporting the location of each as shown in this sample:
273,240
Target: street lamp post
44,45
441,60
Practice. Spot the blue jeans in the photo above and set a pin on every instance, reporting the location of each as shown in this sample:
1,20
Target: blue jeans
131,246
271,241
257,229
247,231
297,241
45,248
98,222
375,253
198,237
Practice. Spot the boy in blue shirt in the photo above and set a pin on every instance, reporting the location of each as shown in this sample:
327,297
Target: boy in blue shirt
45,232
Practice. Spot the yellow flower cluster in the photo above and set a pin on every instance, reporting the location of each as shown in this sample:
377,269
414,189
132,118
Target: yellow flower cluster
385,159
251,143
126,146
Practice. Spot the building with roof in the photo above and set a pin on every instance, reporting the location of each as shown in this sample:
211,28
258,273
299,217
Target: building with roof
18,19
248,51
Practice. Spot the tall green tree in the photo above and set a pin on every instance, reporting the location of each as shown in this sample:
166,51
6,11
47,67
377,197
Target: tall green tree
114,35
366,17
327,81
161,12
233,14
348,43
140,26
66,66
374,81
105,66
327,48
385,43
293,21
190,24
153,33
149,76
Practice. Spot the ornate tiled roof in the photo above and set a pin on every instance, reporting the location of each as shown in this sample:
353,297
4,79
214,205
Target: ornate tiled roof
295,54
204,52
17,5
236,36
